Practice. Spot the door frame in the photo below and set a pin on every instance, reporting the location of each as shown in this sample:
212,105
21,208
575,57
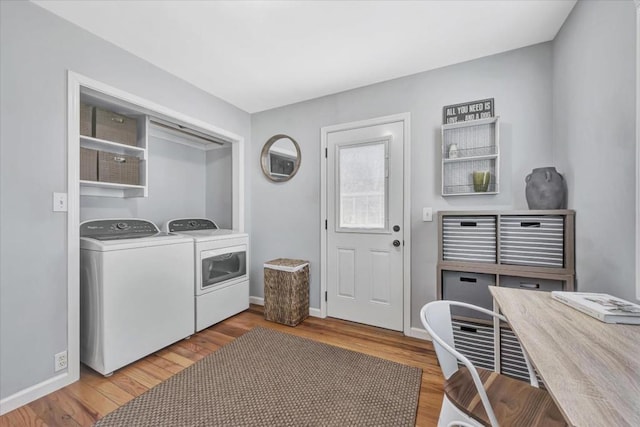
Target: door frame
405,118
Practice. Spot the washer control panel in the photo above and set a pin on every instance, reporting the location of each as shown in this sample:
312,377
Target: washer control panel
191,224
113,229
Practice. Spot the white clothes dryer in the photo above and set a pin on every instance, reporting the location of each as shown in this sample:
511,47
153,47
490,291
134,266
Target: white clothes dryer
221,269
136,291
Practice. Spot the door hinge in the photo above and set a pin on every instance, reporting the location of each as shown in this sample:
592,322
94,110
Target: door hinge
325,224
326,153
325,296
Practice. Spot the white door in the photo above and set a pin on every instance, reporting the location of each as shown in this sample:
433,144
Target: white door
364,225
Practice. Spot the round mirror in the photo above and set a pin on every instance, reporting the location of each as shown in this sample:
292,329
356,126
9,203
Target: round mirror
280,158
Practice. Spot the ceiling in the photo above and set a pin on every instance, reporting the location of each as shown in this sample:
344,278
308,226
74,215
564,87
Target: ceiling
259,55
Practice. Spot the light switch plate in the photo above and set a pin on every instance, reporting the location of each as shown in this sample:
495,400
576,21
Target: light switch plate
59,202
427,214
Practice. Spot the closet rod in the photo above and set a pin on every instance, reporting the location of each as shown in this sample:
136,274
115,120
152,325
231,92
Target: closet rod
179,128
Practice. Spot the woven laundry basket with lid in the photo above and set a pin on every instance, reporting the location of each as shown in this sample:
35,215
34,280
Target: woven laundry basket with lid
286,291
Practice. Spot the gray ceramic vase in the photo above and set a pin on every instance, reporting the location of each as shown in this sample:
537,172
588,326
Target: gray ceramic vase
546,189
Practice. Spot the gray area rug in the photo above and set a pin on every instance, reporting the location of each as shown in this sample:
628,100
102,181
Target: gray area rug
268,378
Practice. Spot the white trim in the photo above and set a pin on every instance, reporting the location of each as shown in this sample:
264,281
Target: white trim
324,131
637,2
34,392
407,223
313,312
419,333
256,300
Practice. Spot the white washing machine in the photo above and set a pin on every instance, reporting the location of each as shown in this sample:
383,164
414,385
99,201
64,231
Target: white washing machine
221,269
136,291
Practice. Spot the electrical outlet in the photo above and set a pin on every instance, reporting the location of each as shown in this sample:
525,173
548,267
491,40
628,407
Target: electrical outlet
60,361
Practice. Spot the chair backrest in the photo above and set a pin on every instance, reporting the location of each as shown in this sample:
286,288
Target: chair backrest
436,318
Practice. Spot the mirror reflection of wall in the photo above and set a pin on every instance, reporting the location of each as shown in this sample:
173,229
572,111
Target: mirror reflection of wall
280,158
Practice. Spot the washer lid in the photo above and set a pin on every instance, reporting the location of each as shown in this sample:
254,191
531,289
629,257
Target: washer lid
118,229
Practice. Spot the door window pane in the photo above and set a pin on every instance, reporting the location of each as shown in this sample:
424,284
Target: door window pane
362,185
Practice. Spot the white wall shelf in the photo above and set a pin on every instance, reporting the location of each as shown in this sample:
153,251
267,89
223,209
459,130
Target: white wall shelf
468,147
114,147
110,189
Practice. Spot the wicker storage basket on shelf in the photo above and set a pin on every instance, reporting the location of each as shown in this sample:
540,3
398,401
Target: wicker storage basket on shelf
88,164
286,291
86,120
114,127
118,168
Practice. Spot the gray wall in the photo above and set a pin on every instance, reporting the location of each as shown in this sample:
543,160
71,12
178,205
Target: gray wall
37,50
218,189
594,78
286,218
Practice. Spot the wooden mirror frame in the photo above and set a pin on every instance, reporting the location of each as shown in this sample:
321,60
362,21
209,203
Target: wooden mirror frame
264,158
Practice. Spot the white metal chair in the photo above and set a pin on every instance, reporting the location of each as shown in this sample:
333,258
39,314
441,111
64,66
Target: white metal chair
480,397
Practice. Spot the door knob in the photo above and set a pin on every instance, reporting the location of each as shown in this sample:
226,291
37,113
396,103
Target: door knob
396,243
396,228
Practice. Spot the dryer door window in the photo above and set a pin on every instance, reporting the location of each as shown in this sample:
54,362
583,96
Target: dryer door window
221,266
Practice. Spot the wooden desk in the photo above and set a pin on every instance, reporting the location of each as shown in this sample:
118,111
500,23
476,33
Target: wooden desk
590,368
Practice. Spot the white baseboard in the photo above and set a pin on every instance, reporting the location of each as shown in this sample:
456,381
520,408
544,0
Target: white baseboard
313,312
34,392
419,333
256,300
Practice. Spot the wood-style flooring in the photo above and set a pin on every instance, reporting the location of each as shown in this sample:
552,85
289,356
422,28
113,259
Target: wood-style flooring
94,396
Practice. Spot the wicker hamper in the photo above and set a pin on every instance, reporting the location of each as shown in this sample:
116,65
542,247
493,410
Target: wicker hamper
114,127
88,164
86,120
286,291
118,168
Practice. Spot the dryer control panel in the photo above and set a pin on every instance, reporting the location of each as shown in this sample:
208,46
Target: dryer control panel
114,229
191,224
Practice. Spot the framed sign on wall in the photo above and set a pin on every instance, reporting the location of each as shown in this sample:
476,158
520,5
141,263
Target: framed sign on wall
474,110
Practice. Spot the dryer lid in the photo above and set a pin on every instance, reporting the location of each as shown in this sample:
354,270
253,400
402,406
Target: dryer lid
118,229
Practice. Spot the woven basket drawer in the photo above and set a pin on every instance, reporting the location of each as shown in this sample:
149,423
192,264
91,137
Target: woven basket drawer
118,168
469,239
114,127
286,291
472,288
532,240
86,120
88,164
475,341
531,283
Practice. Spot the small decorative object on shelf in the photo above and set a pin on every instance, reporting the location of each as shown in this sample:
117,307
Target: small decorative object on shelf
546,189
481,180
453,151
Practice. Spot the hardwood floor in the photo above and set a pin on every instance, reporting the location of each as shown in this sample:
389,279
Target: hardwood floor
94,396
